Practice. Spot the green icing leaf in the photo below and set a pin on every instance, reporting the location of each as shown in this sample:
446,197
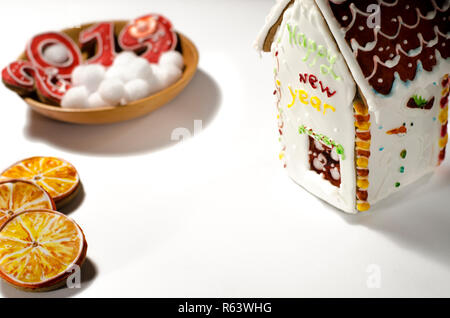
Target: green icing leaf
419,100
339,148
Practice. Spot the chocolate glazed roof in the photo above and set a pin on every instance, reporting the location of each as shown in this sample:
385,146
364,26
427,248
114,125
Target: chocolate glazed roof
411,33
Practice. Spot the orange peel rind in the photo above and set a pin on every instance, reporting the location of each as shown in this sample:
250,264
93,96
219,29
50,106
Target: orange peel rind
56,176
39,249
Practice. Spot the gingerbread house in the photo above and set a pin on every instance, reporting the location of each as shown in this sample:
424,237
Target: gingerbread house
361,91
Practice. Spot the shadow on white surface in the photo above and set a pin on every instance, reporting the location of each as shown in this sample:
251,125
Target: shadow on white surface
75,203
199,101
88,274
417,218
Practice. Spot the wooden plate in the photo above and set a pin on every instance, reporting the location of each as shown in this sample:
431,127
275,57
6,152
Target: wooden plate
135,109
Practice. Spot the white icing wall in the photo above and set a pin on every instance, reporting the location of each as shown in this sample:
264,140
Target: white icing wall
293,59
388,112
420,141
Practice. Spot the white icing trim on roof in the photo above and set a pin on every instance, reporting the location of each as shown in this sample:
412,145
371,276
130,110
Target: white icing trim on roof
271,19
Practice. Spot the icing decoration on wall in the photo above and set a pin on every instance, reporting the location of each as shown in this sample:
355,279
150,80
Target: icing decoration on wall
324,139
443,117
417,101
403,154
313,81
407,40
152,34
277,93
401,130
314,52
362,152
102,35
306,99
324,160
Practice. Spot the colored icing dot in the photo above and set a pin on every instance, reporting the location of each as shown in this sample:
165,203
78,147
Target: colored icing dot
380,127
381,148
434,118
403,154
434,83
402,169
397,184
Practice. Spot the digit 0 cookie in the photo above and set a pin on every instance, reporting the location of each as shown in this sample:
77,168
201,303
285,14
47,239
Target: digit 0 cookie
39,249
19,195
56,176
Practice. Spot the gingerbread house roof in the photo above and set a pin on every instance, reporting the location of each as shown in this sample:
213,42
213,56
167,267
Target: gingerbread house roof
411,36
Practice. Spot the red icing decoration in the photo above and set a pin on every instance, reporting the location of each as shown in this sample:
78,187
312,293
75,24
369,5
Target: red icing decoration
312,80
151,32
25,76
103,34
36,46
323,155
51,86
19,74
444,130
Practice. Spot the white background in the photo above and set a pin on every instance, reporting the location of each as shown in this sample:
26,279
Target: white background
216,215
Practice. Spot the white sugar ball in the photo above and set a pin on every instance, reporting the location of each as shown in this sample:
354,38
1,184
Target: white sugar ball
136,89
89,76
78,75
75,97
138,68
172,58
124,58
93,76
95,100
167,75
56,53
112,91
116,71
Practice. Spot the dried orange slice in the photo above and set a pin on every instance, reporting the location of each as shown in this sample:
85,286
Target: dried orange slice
19,195
58,177
39,248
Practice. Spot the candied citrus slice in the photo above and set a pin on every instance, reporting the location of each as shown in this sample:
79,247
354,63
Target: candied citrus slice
58,177
19,195
39,248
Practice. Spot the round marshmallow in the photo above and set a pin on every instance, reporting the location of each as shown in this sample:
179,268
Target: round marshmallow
56,53
136,89
116,71
138,68
95,100
111,90
124,58
93,76
172,58
78,75
75,97
89,76
167,75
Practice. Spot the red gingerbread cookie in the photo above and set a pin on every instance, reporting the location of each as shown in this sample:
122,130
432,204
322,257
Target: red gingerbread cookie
51,59
103,36
152,33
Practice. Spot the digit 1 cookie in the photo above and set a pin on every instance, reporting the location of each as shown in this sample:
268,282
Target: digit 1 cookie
103,35
58,177
39,249
154,33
